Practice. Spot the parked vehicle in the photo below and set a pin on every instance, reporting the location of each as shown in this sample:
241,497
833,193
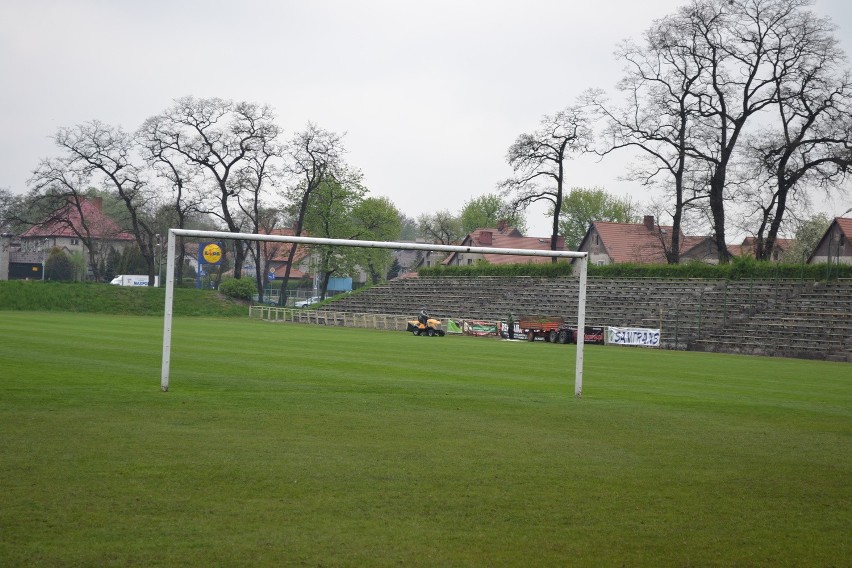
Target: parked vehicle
552,329
555,330
309,302
133,280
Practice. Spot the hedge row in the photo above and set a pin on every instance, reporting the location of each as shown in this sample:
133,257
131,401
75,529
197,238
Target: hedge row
738,269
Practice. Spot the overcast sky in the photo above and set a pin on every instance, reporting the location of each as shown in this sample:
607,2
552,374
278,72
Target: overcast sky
429,94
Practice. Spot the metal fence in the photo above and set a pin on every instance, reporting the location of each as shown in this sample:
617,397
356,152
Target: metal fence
392,322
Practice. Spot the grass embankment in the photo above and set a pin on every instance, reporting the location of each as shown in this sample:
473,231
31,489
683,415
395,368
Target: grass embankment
107,299
302,445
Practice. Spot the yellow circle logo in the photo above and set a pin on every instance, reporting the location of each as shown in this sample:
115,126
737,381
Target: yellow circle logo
212,253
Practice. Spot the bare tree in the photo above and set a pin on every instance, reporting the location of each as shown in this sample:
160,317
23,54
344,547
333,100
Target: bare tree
219,137
97,148
811,143
57,196
313,156
12,208
259,174
269,219
182,182
658,116
538,160
736,42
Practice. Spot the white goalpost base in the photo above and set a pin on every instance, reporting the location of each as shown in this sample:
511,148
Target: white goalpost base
170,278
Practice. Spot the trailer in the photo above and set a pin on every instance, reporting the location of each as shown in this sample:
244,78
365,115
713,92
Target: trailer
545,328
555,330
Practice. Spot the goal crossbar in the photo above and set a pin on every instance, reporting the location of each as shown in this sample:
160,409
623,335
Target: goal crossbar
170,277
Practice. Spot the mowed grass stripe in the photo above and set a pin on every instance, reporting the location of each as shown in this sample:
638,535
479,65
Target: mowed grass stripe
287,444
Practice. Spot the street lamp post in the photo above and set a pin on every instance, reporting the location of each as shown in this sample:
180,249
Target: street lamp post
43,257
158,254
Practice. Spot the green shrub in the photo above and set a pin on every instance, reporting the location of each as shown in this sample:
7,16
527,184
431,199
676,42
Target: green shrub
740,268
58,266
241,289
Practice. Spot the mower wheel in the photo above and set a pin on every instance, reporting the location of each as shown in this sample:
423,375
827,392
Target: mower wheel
430,332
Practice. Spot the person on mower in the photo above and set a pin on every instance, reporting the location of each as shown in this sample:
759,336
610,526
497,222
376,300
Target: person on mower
423,317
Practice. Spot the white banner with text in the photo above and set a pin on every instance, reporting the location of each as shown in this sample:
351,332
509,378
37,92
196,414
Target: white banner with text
640,336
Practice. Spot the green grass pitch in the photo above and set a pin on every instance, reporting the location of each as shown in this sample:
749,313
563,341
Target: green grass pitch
283,444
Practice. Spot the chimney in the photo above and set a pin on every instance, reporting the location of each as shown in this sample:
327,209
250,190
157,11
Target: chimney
501,225
98,202
485,238
649,222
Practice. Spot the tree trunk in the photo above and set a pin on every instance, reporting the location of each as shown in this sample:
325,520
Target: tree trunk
717,210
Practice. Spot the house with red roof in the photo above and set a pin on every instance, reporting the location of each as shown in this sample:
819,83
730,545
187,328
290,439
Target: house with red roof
501,237
274,256
701,248
278,255
834,245
77,227
749,248
637,243
647,243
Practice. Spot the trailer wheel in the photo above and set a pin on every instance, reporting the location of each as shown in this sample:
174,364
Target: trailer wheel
551,336
563,336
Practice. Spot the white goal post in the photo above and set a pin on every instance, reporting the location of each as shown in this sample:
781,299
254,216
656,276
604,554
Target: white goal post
170,278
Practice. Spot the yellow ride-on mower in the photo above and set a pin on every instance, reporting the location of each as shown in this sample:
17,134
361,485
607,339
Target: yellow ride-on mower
430,328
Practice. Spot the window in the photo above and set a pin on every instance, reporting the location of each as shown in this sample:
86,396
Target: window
75,241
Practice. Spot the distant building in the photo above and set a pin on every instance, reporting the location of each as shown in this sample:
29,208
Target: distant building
279,255
274,257
637,243
701,249
67,230
748,248
5,249
501,237
647,243
834,245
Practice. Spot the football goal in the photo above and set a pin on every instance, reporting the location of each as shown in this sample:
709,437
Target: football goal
170,278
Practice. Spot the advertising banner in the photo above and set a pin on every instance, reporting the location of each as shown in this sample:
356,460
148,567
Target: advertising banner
208,253
504,330
594,334
474,327
640,336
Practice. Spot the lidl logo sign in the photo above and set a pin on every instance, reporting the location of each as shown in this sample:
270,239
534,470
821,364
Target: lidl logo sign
212,253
